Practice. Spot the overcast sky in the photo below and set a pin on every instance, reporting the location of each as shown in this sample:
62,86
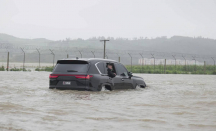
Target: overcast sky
58,19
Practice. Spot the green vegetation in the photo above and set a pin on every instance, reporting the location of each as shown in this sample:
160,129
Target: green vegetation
18,69
159,69
149,69
172,69
2,68
47,68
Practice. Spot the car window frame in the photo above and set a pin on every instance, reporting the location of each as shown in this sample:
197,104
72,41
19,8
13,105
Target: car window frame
99,69
118,71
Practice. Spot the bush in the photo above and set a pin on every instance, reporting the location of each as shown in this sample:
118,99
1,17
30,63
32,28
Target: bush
149,71
49,69
174,72
2,68
214,72
168,72
157,72
18,69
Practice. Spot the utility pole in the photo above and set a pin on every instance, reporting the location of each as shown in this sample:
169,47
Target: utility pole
104,47
175,61
23,58
53,56
80,53
154,61
93,53
185,64
142,61
131,61
214,62
39,56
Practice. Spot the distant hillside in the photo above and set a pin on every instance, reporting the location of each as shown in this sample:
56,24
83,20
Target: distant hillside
8,39
180,44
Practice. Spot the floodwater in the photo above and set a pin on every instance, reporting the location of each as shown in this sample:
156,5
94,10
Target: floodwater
170,102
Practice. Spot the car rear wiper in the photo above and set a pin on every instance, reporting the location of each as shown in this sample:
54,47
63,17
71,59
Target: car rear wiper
71,71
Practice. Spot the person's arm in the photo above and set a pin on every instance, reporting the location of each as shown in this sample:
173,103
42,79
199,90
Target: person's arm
110,73
113,72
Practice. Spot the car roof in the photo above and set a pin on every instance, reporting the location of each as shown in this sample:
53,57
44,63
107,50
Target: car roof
89,59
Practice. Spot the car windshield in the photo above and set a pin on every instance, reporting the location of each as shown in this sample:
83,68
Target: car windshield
71,66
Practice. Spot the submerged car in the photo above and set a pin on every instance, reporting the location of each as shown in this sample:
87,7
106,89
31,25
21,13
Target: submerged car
91,74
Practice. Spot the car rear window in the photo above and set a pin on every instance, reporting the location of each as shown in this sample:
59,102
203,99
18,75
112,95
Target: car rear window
71,66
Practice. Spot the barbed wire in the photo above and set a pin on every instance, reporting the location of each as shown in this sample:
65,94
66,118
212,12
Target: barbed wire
63,52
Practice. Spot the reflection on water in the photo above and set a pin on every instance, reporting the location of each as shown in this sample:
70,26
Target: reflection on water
170,102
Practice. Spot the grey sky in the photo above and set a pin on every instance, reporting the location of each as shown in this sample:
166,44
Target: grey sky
58,19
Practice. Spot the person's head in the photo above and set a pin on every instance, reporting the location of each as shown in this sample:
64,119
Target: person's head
110,66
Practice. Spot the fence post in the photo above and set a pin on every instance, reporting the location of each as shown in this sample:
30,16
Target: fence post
131,61
185,64
165,66
154,61
204,67
194,58
175,61
8,61
214,62
142,61
67,53
53,56
118,57
93,53
39,56
80,53
23,58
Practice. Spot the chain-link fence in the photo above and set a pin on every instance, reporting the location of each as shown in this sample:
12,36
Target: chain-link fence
139,61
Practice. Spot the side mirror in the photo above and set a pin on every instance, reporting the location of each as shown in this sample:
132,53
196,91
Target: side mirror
130,74
123,74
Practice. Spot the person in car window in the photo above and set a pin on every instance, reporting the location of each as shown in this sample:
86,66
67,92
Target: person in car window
110,70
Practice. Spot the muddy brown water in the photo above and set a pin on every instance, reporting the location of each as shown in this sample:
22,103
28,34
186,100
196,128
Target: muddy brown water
170,102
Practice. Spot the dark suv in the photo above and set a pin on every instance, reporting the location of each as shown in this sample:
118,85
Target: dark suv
91,74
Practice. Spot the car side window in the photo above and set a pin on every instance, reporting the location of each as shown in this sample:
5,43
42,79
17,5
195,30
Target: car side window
101,67
120,69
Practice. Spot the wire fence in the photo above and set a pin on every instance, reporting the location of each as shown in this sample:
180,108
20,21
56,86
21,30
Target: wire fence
139,61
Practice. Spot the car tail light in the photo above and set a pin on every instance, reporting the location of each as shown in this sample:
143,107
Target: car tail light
53,76
77,76
83,76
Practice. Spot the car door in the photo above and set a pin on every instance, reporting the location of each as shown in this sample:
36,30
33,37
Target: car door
123,73
116,81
